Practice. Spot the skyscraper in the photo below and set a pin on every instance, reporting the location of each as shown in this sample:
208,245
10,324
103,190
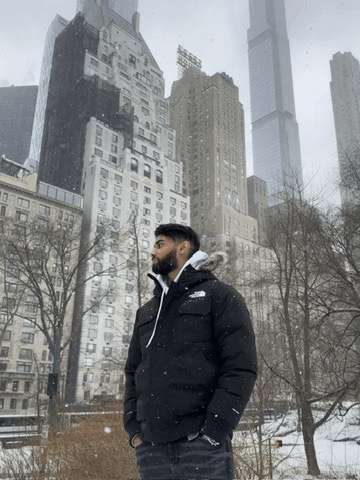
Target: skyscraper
57,25
208,119
209,123
275,135
107,138
17,108
345,94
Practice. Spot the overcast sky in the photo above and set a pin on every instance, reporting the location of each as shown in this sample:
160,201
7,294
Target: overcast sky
215,31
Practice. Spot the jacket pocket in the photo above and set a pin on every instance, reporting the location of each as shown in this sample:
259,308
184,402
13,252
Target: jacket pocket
194,322
196,306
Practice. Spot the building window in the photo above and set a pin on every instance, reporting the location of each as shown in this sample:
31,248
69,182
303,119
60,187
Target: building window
147,189
4,352
109,309
27,386
92,333
147,171
13,404
108,336
159,176
29,322
21,217
134,165
109,323
24,404
23,367
89,362
23,203
118,178
31,307
134,196
152,138
98,152
1,403
144,149
113,159
15,386
93,319
3,385
27,337
91,347
44,210
115,224
25,354
107,351
6,336
113,259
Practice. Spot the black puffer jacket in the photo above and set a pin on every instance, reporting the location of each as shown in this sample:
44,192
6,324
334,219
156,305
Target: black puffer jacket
199,369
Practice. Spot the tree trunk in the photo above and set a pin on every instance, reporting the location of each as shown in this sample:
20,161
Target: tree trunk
308,430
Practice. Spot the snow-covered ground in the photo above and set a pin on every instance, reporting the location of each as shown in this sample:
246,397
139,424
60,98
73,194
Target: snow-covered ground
337,446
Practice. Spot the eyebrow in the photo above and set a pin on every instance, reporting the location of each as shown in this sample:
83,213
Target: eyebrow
157,243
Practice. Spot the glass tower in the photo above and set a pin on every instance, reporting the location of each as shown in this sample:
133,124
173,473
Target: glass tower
275,135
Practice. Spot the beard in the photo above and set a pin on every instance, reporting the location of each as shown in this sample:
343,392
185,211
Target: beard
166,264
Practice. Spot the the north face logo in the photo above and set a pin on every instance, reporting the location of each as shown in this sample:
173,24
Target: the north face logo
199,294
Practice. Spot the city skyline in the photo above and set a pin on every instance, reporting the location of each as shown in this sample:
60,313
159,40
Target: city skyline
316,32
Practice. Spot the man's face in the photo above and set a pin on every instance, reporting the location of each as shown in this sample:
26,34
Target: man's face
164,256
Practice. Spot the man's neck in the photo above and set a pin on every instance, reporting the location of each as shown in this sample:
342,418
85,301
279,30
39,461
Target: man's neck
172,275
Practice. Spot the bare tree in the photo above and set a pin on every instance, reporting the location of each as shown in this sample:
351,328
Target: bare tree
49,267
314,363
350,174
141,265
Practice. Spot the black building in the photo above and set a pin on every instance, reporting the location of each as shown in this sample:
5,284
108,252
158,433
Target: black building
73,99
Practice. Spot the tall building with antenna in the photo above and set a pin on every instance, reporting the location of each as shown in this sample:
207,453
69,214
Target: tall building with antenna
275,133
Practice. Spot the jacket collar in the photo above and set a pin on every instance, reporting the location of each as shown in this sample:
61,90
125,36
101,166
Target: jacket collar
188,279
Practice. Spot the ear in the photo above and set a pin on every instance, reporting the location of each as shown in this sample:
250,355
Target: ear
184,247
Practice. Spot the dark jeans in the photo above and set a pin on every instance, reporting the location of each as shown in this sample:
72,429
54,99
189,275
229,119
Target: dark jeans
185,460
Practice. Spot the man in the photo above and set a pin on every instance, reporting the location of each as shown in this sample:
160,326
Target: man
191,366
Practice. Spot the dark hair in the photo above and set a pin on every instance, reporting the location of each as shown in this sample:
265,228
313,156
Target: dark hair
178,233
